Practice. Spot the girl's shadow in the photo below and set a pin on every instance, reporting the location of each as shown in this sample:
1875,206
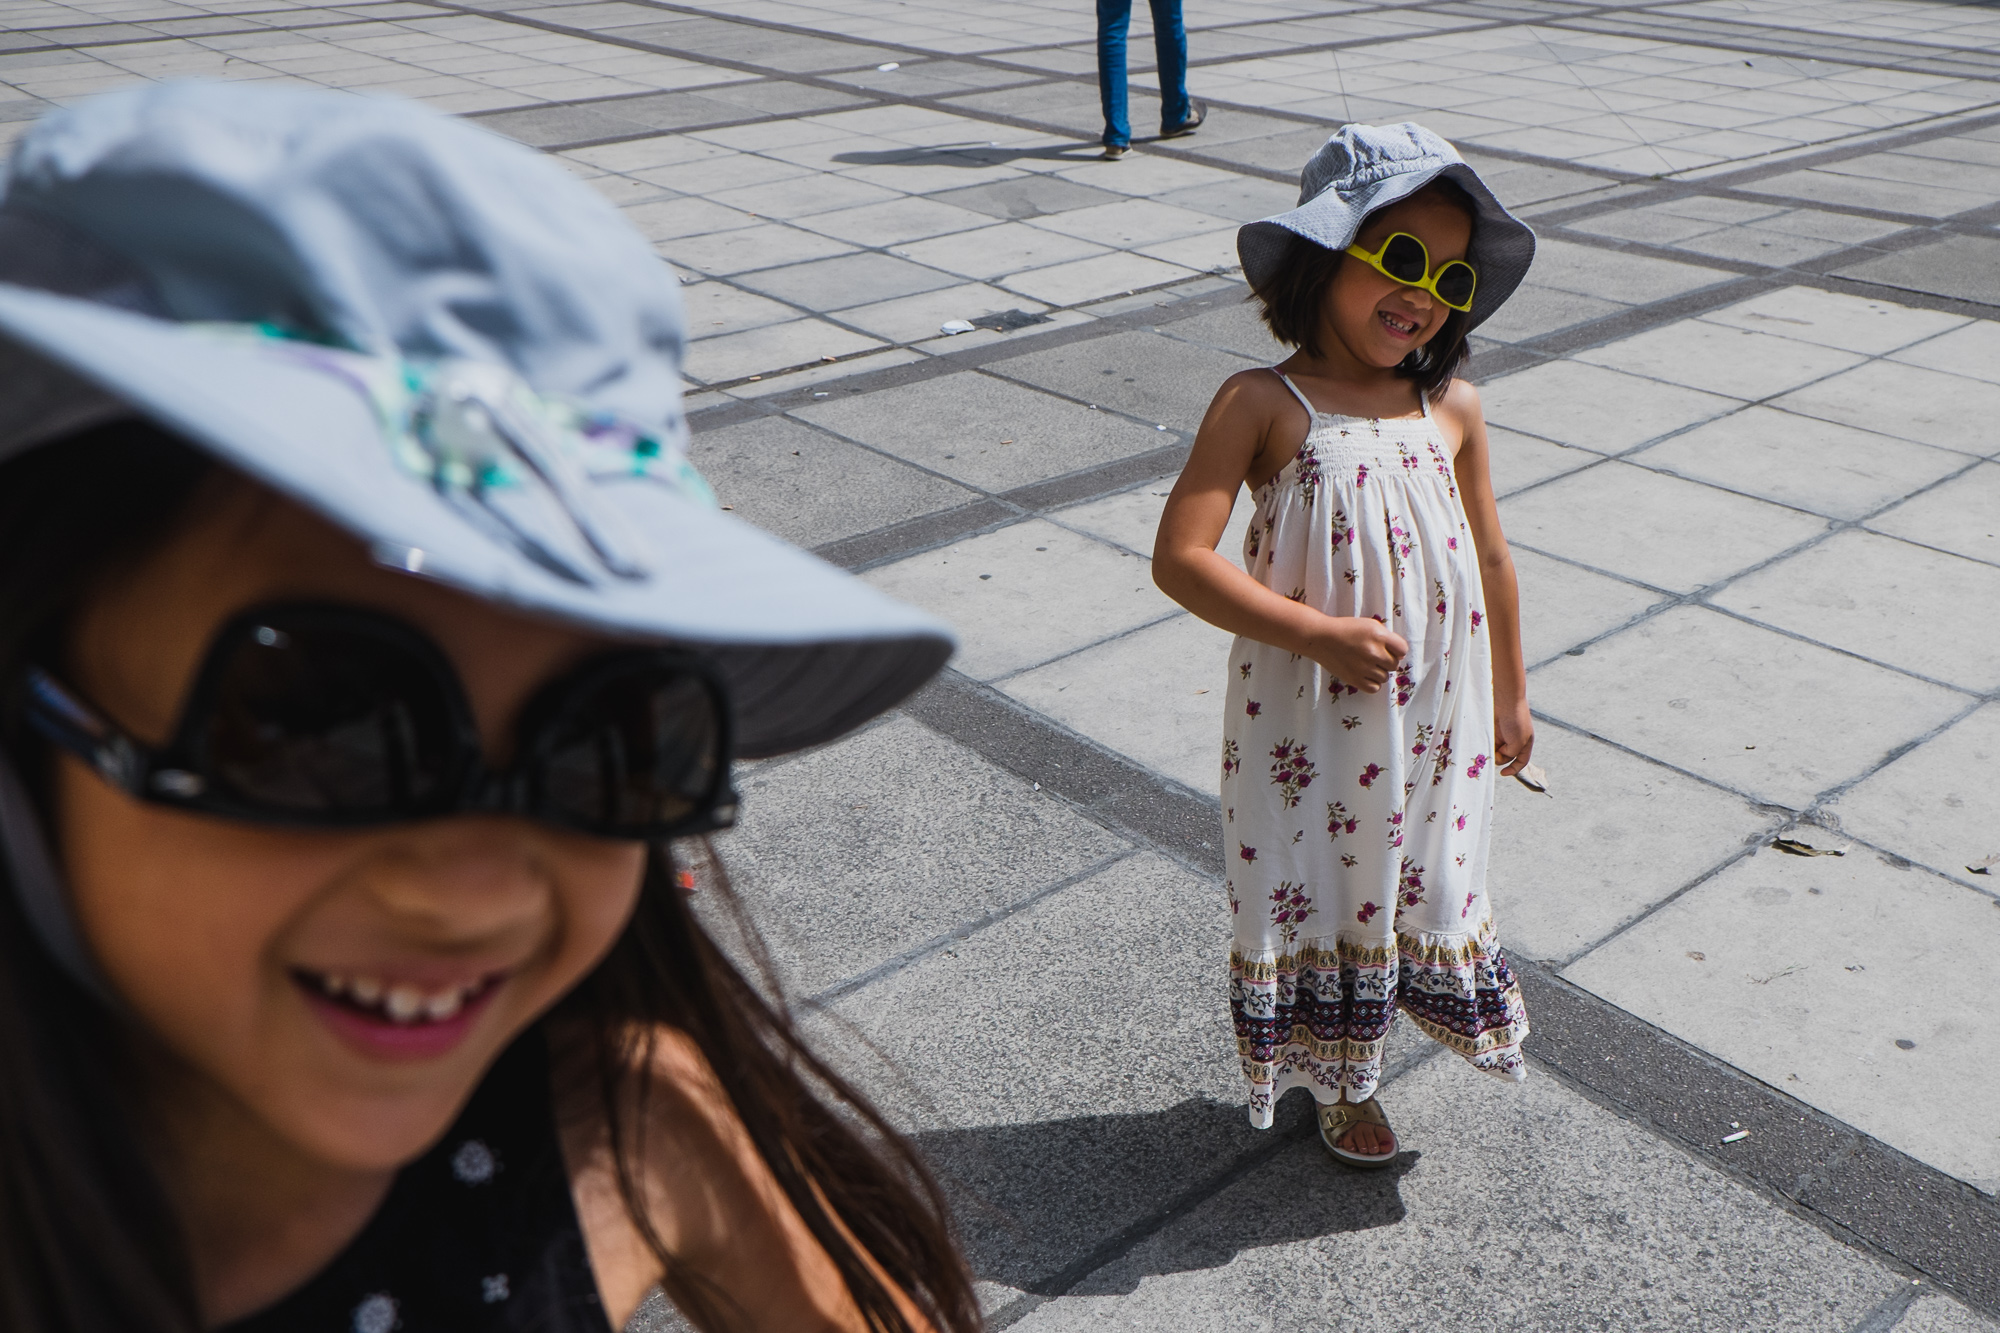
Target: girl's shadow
1043,1206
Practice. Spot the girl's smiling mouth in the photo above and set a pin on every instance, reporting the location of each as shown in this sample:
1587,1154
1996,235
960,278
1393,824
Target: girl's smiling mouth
396,1020
1397,325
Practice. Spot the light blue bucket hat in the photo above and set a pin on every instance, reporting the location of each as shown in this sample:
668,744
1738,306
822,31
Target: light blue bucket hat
1363,168
440,341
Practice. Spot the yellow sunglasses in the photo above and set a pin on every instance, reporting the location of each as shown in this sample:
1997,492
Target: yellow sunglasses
1404,259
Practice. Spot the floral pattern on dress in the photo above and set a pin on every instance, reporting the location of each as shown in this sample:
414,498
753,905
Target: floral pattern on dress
1388,910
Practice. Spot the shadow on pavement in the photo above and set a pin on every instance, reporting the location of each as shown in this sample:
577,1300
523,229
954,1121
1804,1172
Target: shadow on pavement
968,155
1036,1202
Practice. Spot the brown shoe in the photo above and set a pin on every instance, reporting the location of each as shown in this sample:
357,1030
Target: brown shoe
1197,113
1112,152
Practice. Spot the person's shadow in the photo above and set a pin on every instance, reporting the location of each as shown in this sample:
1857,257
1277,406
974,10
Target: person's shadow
1042,1206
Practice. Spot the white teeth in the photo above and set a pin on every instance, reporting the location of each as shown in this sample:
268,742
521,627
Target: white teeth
404,1003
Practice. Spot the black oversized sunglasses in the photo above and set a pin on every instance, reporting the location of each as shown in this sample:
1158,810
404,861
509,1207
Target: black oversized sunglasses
334,717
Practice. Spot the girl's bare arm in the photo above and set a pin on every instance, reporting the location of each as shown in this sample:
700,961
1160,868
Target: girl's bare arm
1513,726
1238,440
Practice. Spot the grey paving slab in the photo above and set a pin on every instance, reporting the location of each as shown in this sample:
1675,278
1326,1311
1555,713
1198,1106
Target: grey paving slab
1747,708
1535,310
914,836
1244,199
909,218
1966,268
1936,805
1836,593
1972,350
1948,411
995,252
1803,462
983,431
1136,1064
1660,530
1148,375
845,280
811,488
909,319
1623,278
1835,319
1564,605
1838,189
792,52
1233,327
798,343
1616,835
1811,974
997,590
1958,516
1025,197
1941,1314
1590,407
1516,461
1721,359
1522,1207
1154,695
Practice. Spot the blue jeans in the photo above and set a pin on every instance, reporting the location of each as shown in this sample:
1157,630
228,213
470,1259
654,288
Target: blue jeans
1169,50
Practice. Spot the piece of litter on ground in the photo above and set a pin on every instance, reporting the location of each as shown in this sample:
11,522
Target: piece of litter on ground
1793,847
1534,777
1697,955
893,64
819,393
1737,1137
1038,786
1006,441
955,327
829,357
1201,691
729,506
1985,866
1905,1044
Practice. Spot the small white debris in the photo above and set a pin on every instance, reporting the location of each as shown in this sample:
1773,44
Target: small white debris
955,327
893,64
1038,786
1737,1137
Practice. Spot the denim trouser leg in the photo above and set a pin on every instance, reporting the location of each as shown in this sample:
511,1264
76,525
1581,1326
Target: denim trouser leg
1113,16
1170,51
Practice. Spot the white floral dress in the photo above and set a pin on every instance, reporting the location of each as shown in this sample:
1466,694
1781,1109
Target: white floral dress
1356,825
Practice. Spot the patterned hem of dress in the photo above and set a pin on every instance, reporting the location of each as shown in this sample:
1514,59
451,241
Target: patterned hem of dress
1317,1017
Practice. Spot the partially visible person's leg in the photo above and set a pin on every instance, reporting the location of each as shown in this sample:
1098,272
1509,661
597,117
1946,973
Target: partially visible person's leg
1170,51
1113,16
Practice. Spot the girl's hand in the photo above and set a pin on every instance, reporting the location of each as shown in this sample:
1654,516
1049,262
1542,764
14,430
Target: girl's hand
1513,737
1359,651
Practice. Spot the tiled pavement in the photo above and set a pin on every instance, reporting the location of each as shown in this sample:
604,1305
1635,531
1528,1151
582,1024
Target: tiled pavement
1744,415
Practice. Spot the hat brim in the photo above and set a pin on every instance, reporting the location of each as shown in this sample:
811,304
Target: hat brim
809,651
1502,245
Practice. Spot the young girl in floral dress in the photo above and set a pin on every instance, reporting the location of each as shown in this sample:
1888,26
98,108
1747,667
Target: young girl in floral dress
1376,690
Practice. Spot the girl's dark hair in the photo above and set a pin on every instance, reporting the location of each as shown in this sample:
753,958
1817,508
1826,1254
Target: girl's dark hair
88,1239
1293,299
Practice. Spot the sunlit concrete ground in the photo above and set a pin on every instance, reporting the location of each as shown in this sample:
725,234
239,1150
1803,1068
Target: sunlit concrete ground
1744,418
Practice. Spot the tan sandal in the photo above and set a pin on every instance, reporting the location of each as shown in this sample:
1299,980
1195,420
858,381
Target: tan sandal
1337,1119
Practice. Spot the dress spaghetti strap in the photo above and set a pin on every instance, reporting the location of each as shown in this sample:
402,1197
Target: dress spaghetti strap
1304,401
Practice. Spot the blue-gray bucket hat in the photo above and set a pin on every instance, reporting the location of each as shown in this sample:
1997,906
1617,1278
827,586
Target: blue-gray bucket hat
1363,168
438,340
